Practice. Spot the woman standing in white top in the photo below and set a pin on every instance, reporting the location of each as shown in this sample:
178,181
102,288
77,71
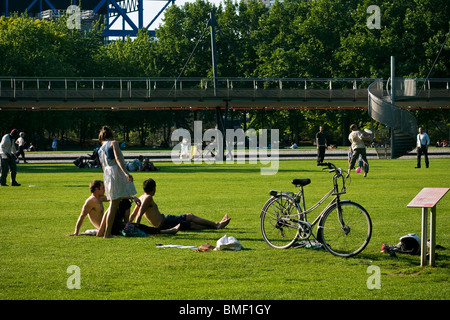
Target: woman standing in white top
118,182
359,148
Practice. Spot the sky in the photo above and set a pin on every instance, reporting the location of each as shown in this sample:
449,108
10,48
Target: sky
152,7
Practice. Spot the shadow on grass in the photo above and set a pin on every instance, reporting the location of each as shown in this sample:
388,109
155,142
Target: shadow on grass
224,168
53,168
441,259
213,168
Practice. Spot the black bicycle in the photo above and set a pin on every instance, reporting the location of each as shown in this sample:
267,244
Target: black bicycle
344,227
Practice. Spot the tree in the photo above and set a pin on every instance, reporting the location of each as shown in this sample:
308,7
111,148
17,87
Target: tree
130,58
181,33
33,47
411,30
237,40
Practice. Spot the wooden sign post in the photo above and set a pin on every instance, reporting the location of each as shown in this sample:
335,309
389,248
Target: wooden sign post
428,198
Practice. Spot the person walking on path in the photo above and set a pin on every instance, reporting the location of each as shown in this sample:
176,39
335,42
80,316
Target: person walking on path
321,142
21,144
8,158
423,141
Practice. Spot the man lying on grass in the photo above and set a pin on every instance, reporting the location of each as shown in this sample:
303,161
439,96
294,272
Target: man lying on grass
93,208
149,209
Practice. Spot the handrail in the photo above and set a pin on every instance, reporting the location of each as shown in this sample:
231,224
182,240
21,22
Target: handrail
194,78
382,110
41,88
201,88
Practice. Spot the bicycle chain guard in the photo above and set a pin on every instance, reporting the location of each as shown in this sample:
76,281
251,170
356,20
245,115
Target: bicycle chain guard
305,230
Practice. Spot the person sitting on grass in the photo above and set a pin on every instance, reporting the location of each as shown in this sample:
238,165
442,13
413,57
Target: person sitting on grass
150,210
147,165
93,209
135,165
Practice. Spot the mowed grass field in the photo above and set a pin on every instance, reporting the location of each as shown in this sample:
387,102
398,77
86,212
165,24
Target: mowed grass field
35,251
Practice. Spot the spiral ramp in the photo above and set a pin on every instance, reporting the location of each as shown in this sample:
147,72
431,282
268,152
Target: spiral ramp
402,124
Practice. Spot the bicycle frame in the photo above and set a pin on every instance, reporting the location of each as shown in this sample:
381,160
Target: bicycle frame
300,196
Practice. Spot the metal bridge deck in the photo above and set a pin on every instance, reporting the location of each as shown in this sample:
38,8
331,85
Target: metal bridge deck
24,93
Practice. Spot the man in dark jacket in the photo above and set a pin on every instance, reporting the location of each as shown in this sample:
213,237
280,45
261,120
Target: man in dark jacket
321,142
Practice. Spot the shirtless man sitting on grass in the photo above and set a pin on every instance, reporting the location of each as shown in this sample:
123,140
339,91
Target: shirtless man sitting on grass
150,210
94,210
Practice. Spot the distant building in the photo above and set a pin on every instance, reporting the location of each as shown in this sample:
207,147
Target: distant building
269,3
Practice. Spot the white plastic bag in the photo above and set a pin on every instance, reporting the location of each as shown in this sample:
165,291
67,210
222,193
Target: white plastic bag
228,243
89,232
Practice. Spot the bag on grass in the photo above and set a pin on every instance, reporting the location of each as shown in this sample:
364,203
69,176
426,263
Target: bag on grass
206,247
409,244
228,243
130,230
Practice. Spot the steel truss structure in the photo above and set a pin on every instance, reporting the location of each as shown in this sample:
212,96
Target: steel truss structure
115,12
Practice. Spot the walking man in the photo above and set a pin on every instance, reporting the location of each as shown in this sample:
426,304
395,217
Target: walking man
423,141
21,143
321,142
8,158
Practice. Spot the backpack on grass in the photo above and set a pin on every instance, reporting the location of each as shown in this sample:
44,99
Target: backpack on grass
130,230
409,244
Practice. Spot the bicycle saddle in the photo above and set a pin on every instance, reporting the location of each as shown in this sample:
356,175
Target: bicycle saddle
301,182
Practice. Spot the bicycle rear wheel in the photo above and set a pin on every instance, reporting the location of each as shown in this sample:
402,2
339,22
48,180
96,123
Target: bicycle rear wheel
345,232
279,222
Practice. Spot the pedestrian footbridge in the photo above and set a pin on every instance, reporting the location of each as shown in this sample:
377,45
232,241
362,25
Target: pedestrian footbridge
45,93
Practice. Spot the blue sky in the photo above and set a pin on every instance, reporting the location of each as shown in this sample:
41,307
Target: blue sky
152,7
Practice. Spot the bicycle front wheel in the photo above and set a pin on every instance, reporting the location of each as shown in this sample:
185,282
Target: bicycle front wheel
345,230
279,222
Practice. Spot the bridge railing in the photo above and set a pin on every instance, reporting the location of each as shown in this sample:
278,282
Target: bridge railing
414,88
147,89
42,88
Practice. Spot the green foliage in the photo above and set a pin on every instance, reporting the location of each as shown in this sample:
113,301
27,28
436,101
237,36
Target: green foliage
320,38
129,58
30,47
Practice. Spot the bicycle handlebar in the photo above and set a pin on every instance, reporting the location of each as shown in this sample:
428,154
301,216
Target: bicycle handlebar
331,167
338,173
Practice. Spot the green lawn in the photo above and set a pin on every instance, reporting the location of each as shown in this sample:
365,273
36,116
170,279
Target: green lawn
35,251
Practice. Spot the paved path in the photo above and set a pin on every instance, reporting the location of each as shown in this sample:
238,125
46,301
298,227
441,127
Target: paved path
65,157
